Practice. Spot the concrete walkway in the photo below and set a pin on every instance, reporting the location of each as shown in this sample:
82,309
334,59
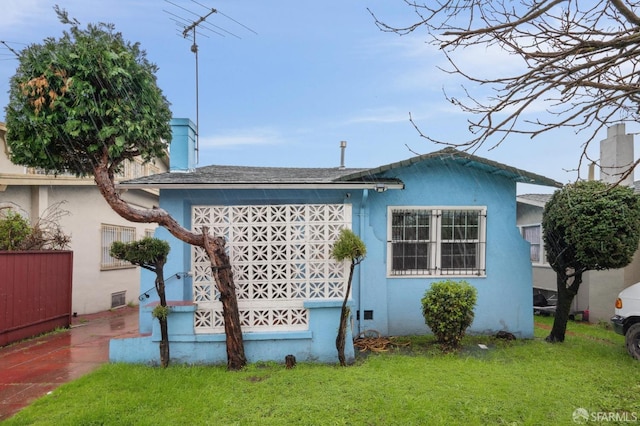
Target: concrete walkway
31,369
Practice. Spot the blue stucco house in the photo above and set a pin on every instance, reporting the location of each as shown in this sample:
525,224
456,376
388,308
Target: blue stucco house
443,215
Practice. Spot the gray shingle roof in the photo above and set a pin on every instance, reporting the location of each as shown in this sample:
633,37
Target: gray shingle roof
542,199
245,176
535,199
466,159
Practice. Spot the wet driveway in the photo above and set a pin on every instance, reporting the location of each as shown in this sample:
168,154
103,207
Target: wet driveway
30,369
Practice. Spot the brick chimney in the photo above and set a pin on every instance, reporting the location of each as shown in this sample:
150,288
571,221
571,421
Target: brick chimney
182,150
616,155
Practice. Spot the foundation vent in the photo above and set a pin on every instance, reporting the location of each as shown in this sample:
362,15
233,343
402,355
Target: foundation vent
118,299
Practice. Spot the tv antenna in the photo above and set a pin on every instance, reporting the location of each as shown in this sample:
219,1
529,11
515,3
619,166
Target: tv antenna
7,45
189,30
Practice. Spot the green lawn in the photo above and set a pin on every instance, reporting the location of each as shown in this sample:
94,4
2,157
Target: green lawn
521,382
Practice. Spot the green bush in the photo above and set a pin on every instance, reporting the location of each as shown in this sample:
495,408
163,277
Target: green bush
161,312
14,230
447,308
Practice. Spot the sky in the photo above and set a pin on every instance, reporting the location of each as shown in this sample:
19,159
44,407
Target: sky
284,81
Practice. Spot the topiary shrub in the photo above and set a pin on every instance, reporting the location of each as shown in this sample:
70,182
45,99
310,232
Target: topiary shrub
447,308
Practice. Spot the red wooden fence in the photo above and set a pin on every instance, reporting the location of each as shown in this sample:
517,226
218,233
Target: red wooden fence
35,293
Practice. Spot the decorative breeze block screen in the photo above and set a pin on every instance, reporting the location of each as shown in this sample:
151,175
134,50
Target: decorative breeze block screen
280,256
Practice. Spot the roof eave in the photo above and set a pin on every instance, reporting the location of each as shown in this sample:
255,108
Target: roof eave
467,160
537,180
376,186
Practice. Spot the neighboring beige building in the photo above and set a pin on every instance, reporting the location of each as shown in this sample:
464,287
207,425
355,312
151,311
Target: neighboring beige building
599,289
99,281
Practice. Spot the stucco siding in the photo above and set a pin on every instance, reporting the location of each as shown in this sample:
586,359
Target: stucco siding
504,294
17,197
179,204
92,286
528,214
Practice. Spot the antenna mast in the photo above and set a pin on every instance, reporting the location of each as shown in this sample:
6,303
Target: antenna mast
188,28
194,49
12,50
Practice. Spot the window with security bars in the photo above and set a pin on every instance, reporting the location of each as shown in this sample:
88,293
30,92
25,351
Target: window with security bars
109,235
436,241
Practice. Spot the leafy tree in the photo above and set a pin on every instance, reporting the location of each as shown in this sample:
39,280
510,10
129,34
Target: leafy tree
85,103
151,254
589,225
348,247
577,59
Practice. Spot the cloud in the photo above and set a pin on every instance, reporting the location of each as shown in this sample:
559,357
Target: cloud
17,14
418,64
243,137
381,115
30,21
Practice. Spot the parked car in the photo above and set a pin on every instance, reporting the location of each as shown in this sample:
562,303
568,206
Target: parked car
626,320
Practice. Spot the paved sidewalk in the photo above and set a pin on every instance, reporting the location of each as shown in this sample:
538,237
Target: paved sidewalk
31,369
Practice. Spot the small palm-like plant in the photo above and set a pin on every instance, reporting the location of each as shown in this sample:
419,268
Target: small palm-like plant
348,247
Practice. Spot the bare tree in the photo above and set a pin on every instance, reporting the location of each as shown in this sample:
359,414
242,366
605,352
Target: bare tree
578,58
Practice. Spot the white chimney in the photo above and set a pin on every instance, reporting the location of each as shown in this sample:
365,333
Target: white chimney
616,156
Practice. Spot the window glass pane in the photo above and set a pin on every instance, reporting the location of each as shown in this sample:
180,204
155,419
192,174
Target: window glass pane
423,222
459,256
410,240
410,233
472,233
459,249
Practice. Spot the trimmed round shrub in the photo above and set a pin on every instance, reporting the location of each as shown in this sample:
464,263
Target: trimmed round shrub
447,308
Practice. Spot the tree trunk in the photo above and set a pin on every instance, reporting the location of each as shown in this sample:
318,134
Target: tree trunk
104,180
344,316
164,329
221,270
566,293
224,280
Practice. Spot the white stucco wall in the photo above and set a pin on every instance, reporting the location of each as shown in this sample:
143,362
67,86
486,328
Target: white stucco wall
6,166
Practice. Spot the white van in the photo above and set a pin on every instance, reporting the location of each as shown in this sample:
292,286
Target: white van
626,320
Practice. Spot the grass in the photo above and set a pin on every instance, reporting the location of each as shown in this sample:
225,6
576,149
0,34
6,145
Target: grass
56,330
523,382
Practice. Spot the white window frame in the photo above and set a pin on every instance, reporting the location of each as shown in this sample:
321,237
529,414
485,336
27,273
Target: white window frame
110,234
436,242
542,253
